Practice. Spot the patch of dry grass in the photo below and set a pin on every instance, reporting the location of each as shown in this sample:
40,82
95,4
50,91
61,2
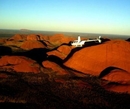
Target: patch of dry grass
44,92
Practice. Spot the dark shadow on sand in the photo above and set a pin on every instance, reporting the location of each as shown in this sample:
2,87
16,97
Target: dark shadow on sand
108,70
37,54
128,39
4,50
55,59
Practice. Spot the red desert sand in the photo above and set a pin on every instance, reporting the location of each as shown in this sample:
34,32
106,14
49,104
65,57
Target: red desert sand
55,67
89,60
19,64
94,59
33,37
28,45
18,37
61,52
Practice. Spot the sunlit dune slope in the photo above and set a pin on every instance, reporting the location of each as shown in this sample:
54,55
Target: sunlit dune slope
27,45
33,37
61,52
55,67
18,37
94,59
60,39
19,64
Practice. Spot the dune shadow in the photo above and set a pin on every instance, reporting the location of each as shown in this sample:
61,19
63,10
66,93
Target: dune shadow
43,42
37,54
104,40
128,39
108,70
4,50
55,59
59,62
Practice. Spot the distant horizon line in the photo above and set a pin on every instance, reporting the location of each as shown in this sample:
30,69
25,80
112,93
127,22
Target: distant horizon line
66,32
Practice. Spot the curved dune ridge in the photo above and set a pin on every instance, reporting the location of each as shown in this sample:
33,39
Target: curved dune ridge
115,75
92,60
118,80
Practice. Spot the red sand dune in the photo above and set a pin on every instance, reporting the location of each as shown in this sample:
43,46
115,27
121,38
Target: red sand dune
118,76
65,49
56,53
2,41
18,37
56,37
33,37
19,64
60,39
43,37
61,51
88,60
13,43
55,67
27,45
92,60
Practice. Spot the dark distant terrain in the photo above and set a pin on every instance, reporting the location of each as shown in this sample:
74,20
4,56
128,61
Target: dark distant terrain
9,33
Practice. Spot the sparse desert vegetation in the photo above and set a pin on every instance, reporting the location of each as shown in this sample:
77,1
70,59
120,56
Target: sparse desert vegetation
45,90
